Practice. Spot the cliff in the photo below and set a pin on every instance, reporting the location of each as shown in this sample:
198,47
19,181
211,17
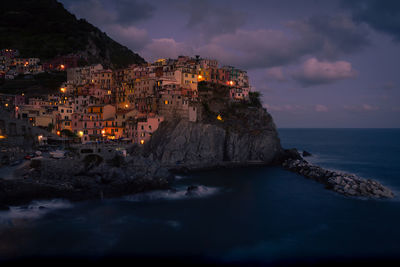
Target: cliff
245,135
45,29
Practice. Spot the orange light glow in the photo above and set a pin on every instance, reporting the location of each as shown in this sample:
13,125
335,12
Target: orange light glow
142,141
58,133
63,89
62,66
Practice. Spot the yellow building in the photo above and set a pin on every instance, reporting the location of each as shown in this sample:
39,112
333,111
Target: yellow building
112,129
189,80
204,75
103,111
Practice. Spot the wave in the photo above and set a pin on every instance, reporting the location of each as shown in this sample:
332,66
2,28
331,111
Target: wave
34,210
179,177
179,194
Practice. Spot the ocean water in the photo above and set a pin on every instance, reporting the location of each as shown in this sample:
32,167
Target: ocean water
257,215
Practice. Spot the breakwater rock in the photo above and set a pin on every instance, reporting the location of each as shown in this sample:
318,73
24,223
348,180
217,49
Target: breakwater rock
343,183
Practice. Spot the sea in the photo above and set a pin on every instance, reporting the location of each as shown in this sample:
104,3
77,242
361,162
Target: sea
255,215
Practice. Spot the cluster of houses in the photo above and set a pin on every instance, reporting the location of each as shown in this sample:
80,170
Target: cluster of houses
12,65
99,105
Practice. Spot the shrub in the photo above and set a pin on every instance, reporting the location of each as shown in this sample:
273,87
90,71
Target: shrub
255,99
92,161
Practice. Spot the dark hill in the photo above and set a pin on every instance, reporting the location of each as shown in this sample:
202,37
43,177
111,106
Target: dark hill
45,29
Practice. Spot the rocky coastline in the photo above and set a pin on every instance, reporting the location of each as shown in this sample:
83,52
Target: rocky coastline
78,180
340,182
245,137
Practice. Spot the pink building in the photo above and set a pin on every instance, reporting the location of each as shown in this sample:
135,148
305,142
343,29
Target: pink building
88,127
142,130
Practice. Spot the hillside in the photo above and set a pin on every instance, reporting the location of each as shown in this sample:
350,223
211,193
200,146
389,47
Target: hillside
45,29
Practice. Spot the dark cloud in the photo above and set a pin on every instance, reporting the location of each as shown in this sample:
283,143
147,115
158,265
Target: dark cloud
104,12
131,11
331,36
117,18
382,15
327,38
210,20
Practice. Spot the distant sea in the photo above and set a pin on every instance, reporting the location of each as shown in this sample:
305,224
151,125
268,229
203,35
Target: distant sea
247,215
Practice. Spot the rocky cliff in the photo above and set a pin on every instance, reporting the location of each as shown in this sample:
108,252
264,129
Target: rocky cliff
244,136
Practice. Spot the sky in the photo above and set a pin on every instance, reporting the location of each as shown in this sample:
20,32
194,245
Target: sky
317,63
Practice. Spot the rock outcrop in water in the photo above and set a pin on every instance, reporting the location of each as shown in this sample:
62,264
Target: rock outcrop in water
343,183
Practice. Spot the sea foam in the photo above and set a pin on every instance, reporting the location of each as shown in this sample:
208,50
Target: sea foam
179,194
34,210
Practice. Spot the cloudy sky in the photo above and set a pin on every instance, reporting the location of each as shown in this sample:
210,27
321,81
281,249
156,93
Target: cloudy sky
317,63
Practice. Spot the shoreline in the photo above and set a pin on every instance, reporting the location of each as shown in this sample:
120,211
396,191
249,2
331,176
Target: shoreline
38,182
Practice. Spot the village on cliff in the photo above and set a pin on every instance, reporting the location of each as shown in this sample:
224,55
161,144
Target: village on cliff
98,105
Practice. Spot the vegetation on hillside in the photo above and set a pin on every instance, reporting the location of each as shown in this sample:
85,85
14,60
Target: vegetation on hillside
217,108
45,29
34,85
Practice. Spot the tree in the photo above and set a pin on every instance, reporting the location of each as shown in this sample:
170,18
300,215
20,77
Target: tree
50,127
67,133
255,99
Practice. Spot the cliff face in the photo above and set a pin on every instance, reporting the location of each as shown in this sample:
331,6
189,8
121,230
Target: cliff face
253,137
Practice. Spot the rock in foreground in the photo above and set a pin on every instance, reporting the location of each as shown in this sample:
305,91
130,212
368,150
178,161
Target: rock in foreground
77,180
343,183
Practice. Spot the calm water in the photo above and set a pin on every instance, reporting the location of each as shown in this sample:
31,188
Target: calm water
257,214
